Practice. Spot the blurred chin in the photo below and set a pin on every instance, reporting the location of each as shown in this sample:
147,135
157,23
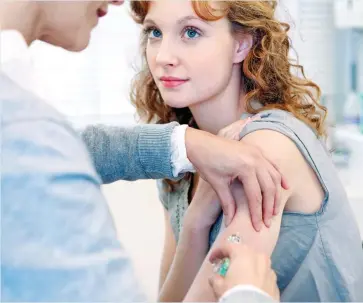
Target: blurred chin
78,46
72,44
78,43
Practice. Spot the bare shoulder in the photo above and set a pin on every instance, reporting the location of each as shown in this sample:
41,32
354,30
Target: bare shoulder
272,141
284,153
276,147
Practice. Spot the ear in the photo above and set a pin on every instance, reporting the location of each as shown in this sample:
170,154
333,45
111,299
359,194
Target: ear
243,47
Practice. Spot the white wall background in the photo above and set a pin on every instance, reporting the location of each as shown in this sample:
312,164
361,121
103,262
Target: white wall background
313,36
139,219
93,86
97,80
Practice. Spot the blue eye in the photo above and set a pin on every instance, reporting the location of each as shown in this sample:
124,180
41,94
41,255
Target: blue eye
191,33
154,33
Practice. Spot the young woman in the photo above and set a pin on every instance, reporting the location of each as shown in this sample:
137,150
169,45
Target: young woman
209,64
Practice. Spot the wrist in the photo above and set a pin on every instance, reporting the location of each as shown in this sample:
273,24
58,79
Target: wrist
192,143
194,226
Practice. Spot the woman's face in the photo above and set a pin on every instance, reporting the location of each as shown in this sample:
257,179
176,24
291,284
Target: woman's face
190,59
68,24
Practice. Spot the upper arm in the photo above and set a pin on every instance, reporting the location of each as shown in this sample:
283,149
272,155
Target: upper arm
284,154
169,250
61,244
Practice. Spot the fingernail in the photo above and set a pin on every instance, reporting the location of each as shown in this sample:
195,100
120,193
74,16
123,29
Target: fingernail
258,226
268,222
226,218
217,265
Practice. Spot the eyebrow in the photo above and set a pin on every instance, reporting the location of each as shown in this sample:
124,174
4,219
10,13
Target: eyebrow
187,18
180,21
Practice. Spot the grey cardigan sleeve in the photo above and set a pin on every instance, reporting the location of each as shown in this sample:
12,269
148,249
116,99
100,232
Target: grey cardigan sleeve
141,152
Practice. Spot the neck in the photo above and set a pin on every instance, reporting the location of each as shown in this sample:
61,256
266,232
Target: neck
223,109
22,16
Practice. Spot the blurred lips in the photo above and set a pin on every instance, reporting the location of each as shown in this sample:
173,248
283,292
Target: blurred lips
170,82
117,2
101,12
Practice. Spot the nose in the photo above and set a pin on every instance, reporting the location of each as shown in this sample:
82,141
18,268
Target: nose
166,55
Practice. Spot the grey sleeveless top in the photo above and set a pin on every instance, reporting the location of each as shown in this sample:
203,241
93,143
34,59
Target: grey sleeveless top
318,257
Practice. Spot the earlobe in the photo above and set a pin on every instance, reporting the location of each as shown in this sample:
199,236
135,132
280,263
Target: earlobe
243,47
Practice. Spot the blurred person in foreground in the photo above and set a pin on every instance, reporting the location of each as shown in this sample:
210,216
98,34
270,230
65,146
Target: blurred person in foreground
58,239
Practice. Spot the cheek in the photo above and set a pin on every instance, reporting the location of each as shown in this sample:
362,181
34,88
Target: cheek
91,10
214,56
74,24
213,68
82,17
75,30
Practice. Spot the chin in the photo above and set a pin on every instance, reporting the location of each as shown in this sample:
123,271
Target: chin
177,99
73,44
177,102
77,42
79,45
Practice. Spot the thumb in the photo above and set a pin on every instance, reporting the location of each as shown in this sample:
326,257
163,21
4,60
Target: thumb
227,202
216,283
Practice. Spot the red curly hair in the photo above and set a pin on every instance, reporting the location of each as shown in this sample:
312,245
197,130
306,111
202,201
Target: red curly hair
267,71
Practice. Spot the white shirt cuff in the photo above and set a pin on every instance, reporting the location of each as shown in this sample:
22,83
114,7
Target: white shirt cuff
179,159
240,288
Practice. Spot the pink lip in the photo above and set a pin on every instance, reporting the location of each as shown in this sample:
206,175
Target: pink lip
170,82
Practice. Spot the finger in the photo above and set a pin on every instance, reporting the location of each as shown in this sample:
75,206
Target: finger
277,200
256,117
233,131
273,277
228,204
276,295
278,197
225,250
268,194
223,133
243,123
241,126
203,177
216,283
238,126
277,178
275,292
254,198
284,183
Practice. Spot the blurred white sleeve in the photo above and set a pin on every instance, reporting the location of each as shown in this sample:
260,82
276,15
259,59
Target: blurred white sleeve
179,159
245,293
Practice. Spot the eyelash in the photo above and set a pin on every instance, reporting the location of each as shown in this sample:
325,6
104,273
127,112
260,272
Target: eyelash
149,29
